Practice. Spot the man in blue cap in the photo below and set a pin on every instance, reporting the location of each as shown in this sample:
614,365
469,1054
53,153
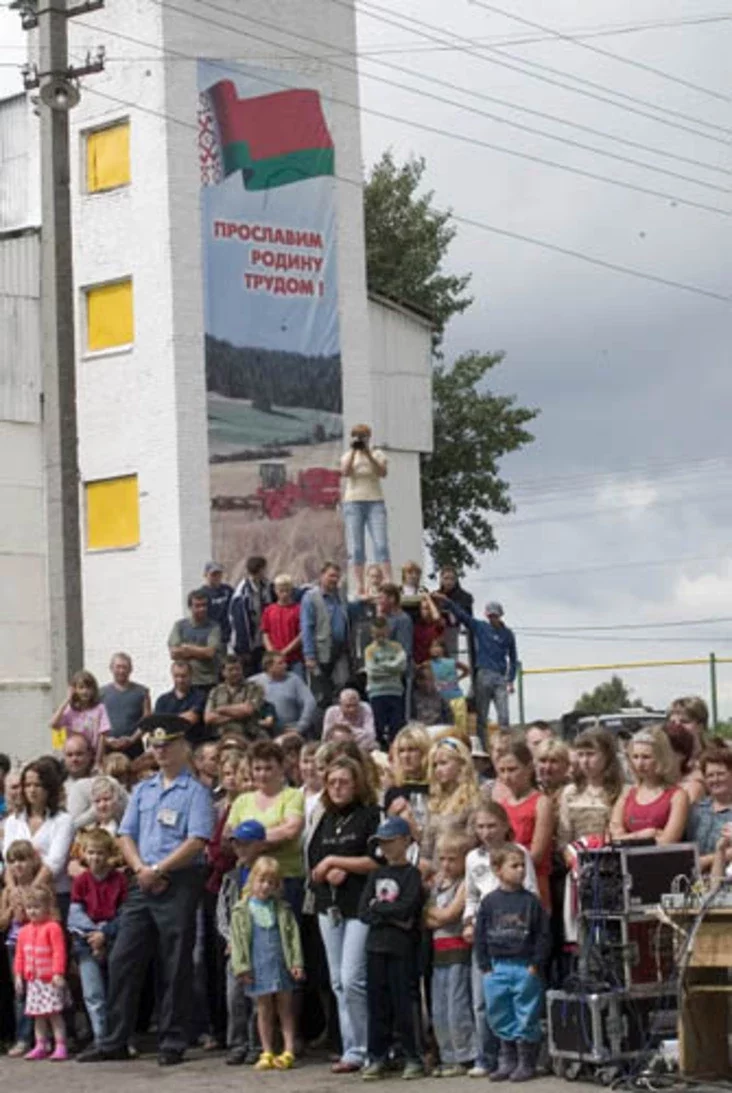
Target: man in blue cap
496,659
167,823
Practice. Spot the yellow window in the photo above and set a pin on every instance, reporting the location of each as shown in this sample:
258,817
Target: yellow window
112,513
108,158
109,317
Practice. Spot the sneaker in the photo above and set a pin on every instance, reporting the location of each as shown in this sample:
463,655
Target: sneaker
19,1049
373,1072
437,1072
457,1070
60,1054
414,1069
478,1071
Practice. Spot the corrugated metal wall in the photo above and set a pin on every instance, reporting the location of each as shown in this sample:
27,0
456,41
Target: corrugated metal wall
20,367
20,196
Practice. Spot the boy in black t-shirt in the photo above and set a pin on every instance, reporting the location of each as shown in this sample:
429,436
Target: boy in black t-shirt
391,905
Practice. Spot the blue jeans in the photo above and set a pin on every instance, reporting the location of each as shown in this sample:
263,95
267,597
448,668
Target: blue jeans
513,1000
94,990
491,687
486,1042
23,1024
452,1013
345,950
359,515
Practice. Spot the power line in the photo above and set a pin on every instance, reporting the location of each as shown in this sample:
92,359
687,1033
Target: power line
548,495
525,66
558,34
604,568
603,134
609,31
630,625
579,255
436,130
601,510
568,252
601,31
499,101
658,465
547,635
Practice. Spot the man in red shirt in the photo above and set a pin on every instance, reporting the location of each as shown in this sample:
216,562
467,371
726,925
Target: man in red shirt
281,625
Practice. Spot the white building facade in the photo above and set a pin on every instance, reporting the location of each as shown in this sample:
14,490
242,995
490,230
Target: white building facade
142,404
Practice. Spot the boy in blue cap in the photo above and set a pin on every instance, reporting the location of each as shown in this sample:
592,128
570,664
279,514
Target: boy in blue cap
391,905
248,841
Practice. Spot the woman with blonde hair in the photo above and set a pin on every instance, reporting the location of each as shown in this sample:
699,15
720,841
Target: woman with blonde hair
408,795
551,764
410,754
655,807
453,791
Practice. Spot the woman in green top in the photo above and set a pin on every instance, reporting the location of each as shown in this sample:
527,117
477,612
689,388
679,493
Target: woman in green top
281,810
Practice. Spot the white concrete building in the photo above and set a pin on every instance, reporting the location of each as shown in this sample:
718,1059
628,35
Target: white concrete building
24,647
142,405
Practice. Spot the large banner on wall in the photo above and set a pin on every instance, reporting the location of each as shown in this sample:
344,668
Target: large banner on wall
273,367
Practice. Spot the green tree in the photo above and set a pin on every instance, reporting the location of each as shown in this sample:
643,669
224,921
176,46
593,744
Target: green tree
461,485
407,240
607,698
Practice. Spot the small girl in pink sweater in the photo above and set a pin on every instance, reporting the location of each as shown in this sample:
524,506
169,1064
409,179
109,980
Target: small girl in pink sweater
40,974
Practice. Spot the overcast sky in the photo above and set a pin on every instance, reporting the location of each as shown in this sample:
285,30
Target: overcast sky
631,462
623,516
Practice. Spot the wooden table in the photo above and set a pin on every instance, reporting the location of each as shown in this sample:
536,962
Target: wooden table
705,996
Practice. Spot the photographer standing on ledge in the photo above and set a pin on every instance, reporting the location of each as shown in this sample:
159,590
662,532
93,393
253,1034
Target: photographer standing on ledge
363,505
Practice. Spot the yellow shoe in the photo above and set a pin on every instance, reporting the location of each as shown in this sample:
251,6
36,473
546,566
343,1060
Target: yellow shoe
266,1061
285,1061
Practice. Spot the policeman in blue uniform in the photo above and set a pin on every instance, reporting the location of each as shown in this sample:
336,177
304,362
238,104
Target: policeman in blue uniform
168,821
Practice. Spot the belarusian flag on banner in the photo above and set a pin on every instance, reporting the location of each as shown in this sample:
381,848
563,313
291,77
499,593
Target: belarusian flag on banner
272,139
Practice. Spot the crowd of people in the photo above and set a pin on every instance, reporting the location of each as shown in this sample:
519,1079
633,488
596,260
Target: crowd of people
317,839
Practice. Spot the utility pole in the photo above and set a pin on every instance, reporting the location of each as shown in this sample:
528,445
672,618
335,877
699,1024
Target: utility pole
59,93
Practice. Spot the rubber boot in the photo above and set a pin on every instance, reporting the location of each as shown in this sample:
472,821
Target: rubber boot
507,1062
526,1068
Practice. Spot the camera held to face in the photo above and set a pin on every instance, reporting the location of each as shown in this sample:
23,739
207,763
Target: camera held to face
358,444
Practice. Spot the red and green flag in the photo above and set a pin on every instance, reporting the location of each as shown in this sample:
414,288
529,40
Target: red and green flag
273,140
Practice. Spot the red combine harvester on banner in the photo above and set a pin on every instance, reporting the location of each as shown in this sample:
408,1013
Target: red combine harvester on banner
278,496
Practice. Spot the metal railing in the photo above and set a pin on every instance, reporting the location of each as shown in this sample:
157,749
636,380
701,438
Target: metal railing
711,662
